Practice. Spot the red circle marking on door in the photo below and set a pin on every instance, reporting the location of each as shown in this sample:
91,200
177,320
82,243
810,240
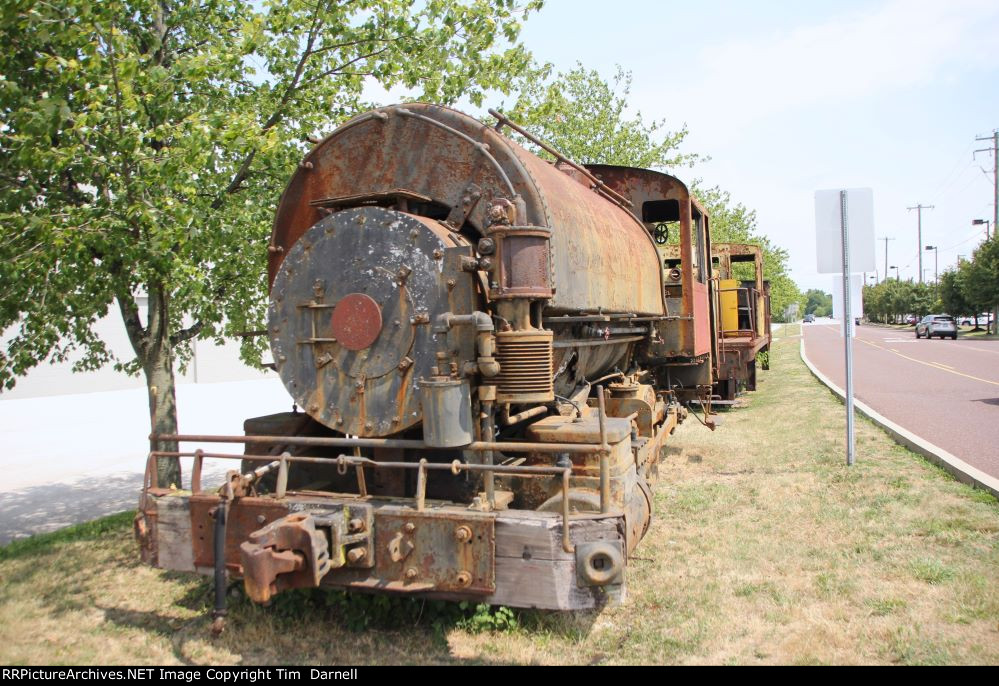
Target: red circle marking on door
357,321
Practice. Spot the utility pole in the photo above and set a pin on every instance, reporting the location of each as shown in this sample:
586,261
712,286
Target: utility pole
995,172
885,239
919,210
995,200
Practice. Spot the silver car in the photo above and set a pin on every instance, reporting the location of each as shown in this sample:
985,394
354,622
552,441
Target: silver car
942,325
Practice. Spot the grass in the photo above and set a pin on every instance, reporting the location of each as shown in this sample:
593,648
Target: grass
765,548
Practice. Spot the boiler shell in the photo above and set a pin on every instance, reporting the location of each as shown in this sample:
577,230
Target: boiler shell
602,256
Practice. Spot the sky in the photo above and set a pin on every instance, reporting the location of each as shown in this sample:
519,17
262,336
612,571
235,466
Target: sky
788,98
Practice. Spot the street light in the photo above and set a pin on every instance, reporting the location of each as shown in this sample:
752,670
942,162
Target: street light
936,255
979,222
896,272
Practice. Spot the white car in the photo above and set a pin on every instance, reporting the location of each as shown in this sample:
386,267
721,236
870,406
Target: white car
984,319
937,325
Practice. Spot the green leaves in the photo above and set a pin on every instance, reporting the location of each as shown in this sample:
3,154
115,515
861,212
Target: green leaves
584,117
145,144
735,223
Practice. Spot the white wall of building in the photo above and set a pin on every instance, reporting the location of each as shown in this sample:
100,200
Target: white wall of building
212,364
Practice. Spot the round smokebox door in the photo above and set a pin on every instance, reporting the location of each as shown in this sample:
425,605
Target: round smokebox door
350,318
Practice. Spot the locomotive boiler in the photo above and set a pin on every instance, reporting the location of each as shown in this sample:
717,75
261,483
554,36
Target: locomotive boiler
487,355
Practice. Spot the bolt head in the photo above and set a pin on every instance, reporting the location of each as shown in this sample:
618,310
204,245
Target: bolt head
411,573
487,246
409,527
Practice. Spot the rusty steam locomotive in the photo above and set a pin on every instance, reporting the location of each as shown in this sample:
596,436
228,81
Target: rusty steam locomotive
490,353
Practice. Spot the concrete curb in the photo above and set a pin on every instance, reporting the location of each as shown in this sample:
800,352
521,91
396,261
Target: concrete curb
960,469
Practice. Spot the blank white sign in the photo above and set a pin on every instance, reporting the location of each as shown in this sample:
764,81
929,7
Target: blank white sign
828,230
856,301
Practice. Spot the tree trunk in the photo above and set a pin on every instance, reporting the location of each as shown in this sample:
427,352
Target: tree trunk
154,350
157,364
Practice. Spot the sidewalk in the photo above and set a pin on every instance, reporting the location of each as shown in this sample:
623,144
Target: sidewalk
72,458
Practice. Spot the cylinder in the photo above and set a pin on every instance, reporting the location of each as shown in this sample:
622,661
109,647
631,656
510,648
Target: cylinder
572,244
447,412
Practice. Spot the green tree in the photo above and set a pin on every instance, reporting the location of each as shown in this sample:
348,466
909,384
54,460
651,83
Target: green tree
979,278
735,223
923,299
144,144
584,117
952,298
819,302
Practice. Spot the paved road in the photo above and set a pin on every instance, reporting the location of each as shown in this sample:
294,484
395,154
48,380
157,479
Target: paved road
944,391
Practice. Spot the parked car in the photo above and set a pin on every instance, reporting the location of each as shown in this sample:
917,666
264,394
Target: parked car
912,320
984,319
809,318
942,325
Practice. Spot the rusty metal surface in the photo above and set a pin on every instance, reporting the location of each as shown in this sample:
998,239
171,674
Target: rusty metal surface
364,260
644,188
602,256
416,248
287,553
525,359
523,262
356,321
442,550
250,515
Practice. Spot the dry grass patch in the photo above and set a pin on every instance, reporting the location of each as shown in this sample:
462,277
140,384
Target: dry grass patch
765,548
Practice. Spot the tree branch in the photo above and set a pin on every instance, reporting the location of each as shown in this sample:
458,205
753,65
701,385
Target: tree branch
341,67
186,334
278,113
137,335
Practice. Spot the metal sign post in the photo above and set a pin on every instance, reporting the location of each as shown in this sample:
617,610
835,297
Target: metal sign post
844,237
847,327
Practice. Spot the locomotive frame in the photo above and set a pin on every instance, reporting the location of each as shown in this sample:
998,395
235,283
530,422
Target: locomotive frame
491,357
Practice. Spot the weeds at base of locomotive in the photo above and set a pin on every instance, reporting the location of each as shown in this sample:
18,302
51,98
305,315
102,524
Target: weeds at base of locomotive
490,353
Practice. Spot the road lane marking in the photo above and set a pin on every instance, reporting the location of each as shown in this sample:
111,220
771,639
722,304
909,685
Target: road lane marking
971,347
935,365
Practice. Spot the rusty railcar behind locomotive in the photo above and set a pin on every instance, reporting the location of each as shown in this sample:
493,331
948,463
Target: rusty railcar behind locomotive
489,357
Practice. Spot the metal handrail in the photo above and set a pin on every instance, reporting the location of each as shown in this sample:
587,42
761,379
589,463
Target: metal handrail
342,462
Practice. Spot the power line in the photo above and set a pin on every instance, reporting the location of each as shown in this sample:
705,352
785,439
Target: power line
969,238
